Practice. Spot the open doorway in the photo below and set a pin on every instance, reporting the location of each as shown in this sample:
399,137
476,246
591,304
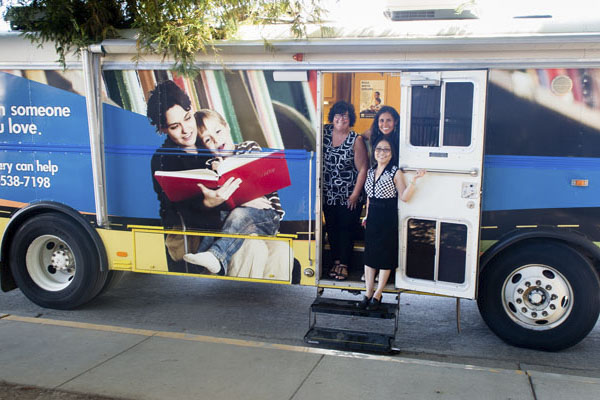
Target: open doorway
367,92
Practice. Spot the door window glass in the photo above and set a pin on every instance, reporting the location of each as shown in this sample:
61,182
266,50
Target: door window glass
420,249
453,252
426,115
428,240
458,114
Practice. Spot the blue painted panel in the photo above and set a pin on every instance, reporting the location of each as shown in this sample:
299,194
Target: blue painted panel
524,182
130,141
57,116
52,160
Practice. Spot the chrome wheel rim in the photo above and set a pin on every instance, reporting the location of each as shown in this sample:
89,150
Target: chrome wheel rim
50,263
537,297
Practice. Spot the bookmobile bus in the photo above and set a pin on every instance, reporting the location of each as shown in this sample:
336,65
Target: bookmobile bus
506,122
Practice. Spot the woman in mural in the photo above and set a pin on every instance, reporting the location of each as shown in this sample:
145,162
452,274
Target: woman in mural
259,216
169,109
345,168
384,184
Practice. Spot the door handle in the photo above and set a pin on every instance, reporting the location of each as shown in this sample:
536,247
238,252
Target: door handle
471,172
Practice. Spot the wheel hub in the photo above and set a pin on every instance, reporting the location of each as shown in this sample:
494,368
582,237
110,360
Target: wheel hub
62,260
50,263
537,297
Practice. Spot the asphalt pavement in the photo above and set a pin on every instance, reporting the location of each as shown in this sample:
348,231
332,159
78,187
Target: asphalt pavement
58,359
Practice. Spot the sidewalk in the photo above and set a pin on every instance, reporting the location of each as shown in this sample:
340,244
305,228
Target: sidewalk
101,360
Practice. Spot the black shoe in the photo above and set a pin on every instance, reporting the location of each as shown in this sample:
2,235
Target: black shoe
363,303
373,304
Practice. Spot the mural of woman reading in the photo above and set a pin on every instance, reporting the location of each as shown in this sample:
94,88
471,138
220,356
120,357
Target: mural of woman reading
208,209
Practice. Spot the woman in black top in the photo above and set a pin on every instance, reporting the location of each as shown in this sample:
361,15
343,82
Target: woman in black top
345,164
384,184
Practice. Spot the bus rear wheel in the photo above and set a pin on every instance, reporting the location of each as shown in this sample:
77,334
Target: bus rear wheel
540,295
55,262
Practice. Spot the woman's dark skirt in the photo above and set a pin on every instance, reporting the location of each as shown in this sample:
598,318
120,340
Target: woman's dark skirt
381,235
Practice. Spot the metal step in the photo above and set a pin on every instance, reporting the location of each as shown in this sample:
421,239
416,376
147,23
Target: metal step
349,307
350,340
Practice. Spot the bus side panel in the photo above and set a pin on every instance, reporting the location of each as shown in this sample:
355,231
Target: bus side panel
542,152
275,115
44,140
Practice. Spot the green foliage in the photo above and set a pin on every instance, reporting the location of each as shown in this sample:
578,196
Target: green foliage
176,28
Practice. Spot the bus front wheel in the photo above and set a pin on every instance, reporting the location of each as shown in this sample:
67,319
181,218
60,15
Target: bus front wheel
540,295
55,262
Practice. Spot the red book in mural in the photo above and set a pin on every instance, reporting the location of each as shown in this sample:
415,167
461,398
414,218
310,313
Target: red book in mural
261,174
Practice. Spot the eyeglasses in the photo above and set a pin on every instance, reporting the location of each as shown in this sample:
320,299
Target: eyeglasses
345,117
382,150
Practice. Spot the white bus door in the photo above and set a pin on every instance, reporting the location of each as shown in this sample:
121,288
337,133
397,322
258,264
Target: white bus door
442,127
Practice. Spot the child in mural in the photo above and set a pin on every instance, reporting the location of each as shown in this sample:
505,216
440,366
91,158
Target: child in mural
259,216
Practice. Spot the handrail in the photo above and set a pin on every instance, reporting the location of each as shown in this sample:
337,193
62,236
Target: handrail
472,172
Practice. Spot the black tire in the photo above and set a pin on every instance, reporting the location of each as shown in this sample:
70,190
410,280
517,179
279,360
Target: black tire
541,295
55,263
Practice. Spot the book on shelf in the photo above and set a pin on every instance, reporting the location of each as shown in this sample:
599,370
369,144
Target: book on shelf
261,174
245,110
112,87
148,82
200,91
133,86
125,95
261,97
227,103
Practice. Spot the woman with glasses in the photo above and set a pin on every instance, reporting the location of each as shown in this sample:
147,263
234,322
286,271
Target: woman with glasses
345,164
384,184
386,124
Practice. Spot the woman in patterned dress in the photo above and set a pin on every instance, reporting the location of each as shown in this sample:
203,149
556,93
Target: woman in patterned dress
345,164
384,184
